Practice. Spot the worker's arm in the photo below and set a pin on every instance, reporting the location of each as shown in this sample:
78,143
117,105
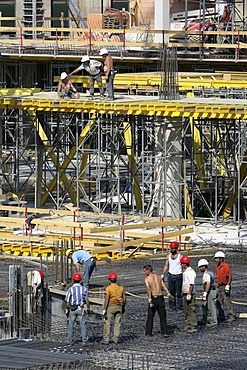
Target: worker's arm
59,88
77,267
124,298
107,67
148,289
75,71
106,301
87,303
73,87
165,269
165,288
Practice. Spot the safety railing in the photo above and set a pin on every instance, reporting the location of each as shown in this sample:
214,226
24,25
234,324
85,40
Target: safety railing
75,41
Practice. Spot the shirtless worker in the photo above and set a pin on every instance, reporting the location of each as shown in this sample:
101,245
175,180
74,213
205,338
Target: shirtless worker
154,285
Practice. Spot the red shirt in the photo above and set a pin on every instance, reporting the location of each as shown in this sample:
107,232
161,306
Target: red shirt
223,271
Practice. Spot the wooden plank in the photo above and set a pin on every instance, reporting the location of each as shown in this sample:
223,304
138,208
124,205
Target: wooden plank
136,242
147,225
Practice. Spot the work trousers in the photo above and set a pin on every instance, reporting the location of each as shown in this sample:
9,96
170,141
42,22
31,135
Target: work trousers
79,315
109,85
175,288
114,313
88,267
189,308
209,306
158,303
97,78
224,301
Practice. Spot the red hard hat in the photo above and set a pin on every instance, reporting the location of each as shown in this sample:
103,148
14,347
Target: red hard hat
174,245
185,259
76,276
112,275
42,275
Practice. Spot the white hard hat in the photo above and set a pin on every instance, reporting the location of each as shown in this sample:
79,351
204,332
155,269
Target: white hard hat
85,58
202,262
63,75
103,51
219,254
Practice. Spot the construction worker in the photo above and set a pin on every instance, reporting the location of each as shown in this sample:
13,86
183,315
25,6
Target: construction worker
209,295
224,279
156,302
93,68
189,299
114,307
175,276
109,72
76,298
66,88
85,259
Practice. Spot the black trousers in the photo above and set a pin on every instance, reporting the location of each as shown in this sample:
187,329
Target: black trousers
158,305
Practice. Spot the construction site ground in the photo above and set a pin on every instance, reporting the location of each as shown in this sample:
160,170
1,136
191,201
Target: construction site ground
222,347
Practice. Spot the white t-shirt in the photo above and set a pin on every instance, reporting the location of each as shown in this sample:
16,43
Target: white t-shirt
93,68
175,267
189,277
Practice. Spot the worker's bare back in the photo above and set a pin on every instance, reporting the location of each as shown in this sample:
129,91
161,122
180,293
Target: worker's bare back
154,284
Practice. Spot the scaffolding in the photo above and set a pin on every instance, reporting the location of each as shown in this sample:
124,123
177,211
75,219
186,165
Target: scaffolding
126,164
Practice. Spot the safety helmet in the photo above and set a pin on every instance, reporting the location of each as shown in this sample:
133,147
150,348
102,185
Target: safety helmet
85,58
174,245
219,254
202,262
68,252
76,276
112,275
185,259
103,51
63,75
42,275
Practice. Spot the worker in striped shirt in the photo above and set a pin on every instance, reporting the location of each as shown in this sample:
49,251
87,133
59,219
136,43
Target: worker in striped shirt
76,299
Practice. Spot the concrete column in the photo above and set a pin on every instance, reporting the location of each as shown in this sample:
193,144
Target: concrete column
168,190
161,18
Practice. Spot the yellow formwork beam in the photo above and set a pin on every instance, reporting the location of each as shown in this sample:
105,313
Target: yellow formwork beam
66,163
53,156
132,164
206,108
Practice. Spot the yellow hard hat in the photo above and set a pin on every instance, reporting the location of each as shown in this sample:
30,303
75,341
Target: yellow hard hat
68,252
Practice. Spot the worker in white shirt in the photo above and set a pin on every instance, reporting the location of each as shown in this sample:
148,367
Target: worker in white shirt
94,69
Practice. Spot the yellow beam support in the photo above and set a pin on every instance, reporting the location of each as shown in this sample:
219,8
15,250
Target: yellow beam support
53,156
198,153
66,162
132,164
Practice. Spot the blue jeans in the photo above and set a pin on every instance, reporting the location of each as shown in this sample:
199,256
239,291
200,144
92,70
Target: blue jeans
78,315
88,268
175,288
109,85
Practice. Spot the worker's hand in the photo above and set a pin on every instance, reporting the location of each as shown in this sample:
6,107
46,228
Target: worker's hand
188,297
227,289
67,312
170,297
150,302
162,277
204,296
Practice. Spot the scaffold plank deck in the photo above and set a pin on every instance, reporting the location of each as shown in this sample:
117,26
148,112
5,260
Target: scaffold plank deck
132,104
